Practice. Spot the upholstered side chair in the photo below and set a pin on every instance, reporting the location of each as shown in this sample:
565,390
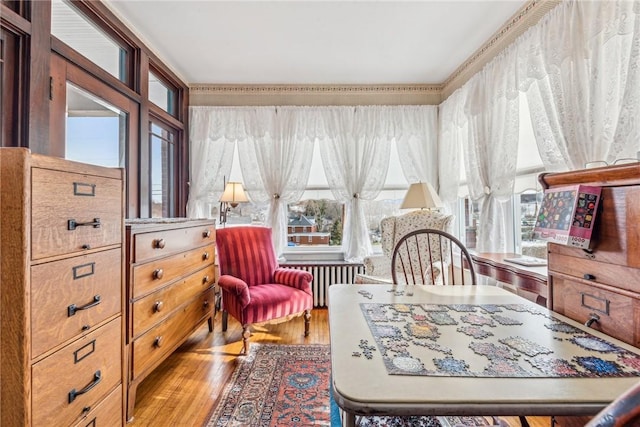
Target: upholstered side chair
378,267
254,288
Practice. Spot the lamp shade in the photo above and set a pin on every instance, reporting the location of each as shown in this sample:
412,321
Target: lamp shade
234,194
421,195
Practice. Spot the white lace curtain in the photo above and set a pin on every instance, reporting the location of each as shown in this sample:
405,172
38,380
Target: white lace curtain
275,167
275,145
492,109
580,67
580,70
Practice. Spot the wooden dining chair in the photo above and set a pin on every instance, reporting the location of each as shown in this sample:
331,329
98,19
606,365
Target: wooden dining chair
431,257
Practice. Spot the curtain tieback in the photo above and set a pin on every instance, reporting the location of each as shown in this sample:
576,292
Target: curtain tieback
356,195
487,190
276,196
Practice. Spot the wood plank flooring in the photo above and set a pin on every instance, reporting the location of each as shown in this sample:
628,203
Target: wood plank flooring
183,390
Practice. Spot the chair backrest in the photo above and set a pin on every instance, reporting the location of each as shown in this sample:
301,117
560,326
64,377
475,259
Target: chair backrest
394,228
430,257
246,253
624,411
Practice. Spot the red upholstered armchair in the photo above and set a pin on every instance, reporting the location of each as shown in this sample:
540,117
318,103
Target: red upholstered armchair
254,288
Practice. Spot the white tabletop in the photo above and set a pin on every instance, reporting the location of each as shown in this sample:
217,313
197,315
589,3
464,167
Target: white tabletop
362,385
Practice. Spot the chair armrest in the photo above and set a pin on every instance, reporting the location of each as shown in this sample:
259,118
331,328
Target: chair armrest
298,279
236,287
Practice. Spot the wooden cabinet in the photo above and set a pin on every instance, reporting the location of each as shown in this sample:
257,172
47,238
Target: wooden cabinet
170,290
601,286
62,293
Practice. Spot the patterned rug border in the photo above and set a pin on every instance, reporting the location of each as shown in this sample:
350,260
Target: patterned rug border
244,363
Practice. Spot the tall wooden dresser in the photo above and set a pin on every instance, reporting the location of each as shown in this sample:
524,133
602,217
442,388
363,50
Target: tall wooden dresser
601,286
170,290
61,299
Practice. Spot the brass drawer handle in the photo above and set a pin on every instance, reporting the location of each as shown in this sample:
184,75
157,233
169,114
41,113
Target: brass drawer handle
205,279
205,256
157,342
205,303
159,243
97,377
206,234
72,224
158,273
157,306
71,310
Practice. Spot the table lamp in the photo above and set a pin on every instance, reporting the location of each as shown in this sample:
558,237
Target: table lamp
232,196
421,195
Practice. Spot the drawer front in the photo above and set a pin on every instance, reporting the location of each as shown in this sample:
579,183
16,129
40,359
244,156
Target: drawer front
614,275
148,246
153,308
92,364
60,198
107,413
157,342
152,275
580,302
71,296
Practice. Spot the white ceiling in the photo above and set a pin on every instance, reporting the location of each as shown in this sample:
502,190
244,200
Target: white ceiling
314,42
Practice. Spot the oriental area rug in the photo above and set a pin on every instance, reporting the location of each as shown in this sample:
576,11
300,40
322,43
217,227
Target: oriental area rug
289,385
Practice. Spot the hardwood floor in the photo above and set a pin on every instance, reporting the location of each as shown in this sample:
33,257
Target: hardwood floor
184,389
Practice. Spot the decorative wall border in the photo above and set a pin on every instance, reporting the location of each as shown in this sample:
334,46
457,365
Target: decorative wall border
202,89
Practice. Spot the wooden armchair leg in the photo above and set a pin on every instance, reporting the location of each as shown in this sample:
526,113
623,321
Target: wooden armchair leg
246,333
225,318
307,322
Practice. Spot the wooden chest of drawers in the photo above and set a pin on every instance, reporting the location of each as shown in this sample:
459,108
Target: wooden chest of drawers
601,286
170,290
62,294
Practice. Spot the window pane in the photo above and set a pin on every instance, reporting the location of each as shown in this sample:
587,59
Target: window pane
78,32
315,223
162,152
161,95
95,130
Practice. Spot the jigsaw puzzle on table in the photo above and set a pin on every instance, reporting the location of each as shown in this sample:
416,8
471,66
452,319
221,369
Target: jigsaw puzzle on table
487,341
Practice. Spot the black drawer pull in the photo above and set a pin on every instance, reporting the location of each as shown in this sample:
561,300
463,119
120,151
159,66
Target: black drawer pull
593,318
97,377
72,224
206,234
71,310
588,276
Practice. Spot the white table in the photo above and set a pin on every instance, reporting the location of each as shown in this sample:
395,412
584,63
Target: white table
362,386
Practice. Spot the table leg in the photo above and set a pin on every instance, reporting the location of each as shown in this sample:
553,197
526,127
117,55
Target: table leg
349,419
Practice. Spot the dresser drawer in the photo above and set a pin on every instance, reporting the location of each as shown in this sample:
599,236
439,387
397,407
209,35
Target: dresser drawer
92,364
627,278
157,342
107,413
71,296
148,246
152,275
618,314
153,308
63,203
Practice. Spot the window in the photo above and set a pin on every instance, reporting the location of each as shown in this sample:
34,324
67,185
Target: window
75,30
161,94
162,151
10,71
95,130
